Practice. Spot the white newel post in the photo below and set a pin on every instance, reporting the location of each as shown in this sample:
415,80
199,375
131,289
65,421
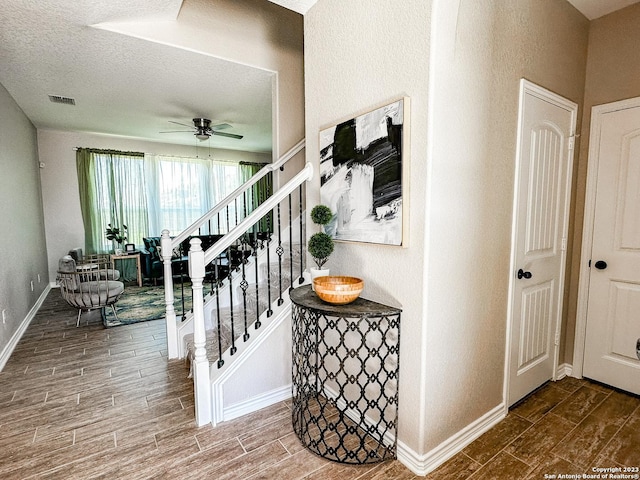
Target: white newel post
166,251
201,378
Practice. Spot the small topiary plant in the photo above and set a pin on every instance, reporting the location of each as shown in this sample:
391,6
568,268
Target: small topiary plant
321,214
320,244
320,247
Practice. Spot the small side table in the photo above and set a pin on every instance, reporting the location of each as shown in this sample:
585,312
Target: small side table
345,377
136,257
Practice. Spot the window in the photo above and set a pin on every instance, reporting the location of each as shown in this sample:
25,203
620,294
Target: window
149,193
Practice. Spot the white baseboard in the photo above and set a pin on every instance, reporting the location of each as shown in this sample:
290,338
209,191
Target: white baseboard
256,403
423,464
9,347
564,370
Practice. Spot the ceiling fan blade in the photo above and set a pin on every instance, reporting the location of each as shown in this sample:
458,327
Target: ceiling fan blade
178,131
183,124
220,126
230,135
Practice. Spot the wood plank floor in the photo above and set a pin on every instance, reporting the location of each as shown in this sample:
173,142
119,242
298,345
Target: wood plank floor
90,402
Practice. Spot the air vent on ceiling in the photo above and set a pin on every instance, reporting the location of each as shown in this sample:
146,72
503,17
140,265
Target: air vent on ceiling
64,100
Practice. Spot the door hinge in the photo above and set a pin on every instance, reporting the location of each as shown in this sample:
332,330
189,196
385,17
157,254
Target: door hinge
564,244
572,141
557,339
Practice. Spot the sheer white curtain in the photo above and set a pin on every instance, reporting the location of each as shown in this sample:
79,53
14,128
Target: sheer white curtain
182,189
178,189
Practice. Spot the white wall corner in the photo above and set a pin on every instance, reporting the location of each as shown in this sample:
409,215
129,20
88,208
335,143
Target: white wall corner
564,370
256,403
9,347
423,464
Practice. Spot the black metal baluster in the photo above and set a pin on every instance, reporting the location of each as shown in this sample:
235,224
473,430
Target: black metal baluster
244,204
279,251
181,266
212,277
269,311
290,244
269,191
233,349
301,279
255,253
235,210
220,360
252,197
261,196
244,285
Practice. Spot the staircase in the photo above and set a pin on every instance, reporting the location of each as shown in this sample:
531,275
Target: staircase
237,337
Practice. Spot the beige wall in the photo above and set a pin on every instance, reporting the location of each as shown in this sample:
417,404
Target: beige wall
359,54
62,215
546,43
461,64
23,249
481,55
613,73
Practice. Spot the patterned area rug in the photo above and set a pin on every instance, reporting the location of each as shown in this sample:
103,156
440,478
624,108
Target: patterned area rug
141,304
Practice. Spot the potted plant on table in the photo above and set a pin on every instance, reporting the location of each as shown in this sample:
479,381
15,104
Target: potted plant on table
320,245
118,236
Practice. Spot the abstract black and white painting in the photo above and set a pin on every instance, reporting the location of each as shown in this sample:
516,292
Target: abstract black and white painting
362,166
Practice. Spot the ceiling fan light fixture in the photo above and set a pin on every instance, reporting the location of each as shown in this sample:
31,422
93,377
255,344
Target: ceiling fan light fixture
202,129
201,122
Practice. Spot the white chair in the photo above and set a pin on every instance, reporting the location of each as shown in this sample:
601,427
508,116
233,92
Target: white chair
81,260
87,286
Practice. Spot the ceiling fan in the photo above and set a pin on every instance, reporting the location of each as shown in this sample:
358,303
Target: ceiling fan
203,129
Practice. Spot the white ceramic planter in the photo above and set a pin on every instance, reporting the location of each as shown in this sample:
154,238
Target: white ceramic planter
318,272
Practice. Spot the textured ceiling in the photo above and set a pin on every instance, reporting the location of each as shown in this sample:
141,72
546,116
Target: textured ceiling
131,87
123,85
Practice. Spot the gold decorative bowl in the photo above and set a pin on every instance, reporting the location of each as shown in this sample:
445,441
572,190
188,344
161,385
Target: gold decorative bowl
337,289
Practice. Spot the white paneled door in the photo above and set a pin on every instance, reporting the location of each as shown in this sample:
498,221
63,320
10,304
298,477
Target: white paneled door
613,310
541,204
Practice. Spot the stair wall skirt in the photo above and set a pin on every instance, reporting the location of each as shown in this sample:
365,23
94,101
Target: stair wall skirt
260,372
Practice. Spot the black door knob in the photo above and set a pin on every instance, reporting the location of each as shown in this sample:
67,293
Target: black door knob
523,274
601,264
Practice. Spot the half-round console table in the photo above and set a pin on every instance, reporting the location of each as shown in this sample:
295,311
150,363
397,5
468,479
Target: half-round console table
345,377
